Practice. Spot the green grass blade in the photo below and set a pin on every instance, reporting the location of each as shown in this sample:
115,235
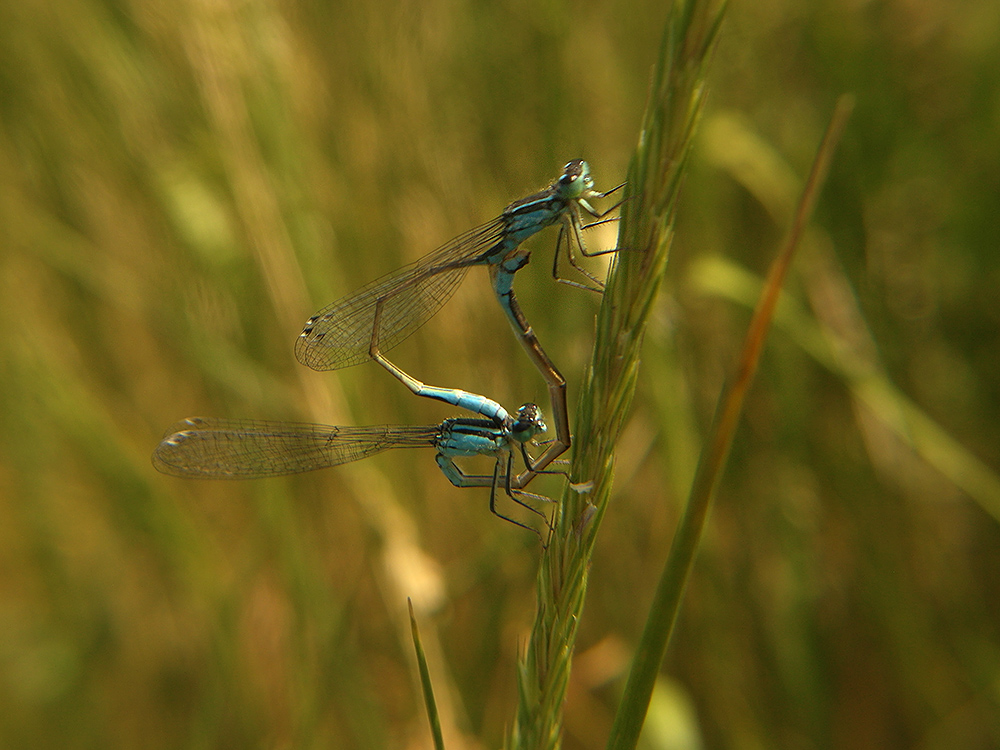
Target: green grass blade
869,384
663,612
673,110
425,681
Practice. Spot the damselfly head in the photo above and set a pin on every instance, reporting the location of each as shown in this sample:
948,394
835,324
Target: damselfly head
575,181
528,423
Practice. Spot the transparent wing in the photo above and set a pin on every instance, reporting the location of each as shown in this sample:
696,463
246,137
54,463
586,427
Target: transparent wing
247,449
340,334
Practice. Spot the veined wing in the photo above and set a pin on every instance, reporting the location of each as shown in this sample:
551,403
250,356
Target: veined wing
340,334
248,449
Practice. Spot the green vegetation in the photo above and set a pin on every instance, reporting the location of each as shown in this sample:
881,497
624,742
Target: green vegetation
182,184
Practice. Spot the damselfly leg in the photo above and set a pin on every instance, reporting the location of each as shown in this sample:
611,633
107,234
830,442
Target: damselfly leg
572,229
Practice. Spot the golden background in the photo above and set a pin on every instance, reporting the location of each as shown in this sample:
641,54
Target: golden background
183,183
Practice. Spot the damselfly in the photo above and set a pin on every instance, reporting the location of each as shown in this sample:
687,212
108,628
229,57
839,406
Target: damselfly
385,312
208,448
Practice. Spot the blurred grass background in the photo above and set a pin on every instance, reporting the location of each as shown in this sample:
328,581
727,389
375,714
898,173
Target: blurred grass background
182,184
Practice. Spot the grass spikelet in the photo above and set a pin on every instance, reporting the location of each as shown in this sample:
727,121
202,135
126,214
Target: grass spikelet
675,102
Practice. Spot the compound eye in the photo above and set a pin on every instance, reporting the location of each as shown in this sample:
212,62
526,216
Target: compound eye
573,171
529,420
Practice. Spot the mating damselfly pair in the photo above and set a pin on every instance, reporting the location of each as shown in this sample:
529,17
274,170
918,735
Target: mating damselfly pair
382,314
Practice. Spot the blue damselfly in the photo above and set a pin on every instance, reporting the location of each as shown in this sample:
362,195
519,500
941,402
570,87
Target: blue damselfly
385,312
208,448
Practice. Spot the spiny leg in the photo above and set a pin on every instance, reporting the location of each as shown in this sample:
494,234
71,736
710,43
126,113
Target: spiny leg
515,494
593,224
532,466
599,216
493,500
598,284
459,478
572,223
573,226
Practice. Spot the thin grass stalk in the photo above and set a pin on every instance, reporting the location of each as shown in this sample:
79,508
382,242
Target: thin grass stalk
666,602
675,102
835,349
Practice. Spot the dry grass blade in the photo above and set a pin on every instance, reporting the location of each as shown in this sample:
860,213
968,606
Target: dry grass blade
663,612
